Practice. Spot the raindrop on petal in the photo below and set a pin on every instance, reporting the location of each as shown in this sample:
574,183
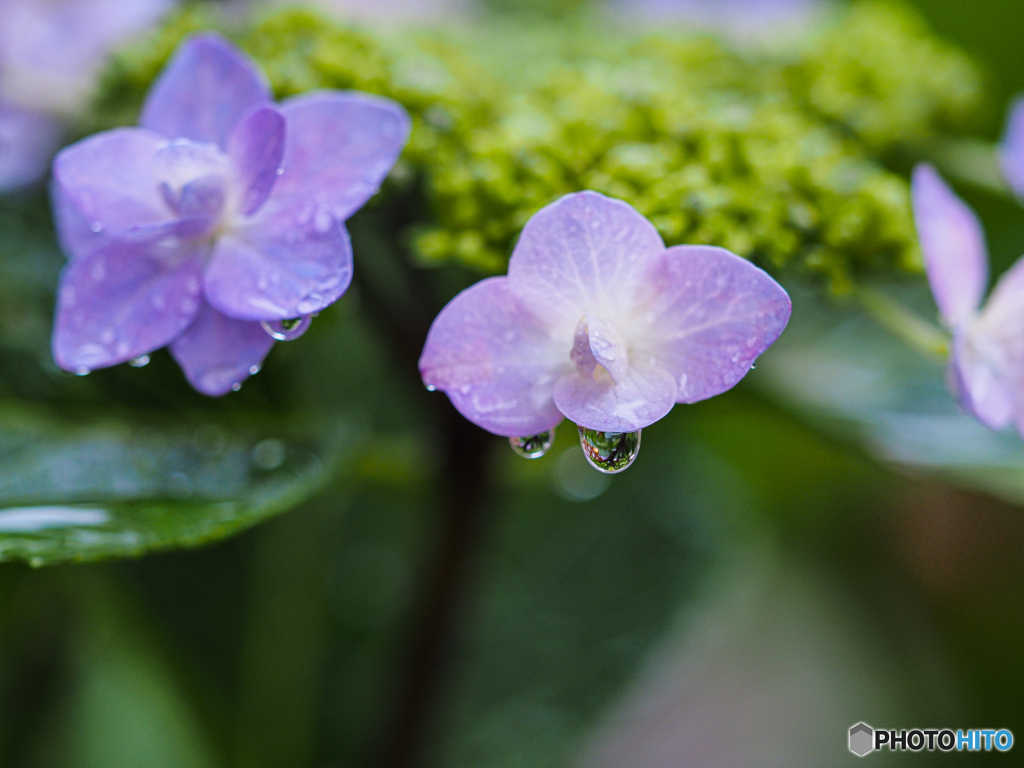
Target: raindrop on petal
82,371
534,446
753,366
139,362
236,386
96,227
431,388
287,330
609,452
253,370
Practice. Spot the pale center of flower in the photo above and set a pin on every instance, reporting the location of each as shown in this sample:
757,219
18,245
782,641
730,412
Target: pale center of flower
599,350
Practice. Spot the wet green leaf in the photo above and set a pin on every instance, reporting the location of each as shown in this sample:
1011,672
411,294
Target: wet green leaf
845,373
109,487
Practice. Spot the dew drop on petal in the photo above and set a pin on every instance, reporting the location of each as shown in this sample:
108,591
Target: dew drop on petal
534,446
753,366
236,386
609,452
287,330
431,388
96,227
139,362
82,371
253,370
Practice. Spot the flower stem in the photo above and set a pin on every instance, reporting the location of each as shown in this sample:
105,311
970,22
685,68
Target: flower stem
972,161
925,337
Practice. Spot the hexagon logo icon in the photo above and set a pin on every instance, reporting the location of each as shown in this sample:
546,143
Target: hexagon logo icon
862,738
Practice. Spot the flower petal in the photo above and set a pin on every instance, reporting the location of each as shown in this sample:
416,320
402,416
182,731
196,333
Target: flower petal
284,263
123,301
953,244
256,147
495,361
217,352
585,253
205,90
105,185
28,140
979,386
644,395
338,149
1011,152
713,315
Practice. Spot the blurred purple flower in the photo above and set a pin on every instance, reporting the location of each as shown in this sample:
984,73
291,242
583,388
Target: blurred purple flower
598,322
50,51
746,18
221,211
987,356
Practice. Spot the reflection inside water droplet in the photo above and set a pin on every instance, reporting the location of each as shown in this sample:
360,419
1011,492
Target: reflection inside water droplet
753,366
139,362
609,452
534,446
287,330
253,370
431,388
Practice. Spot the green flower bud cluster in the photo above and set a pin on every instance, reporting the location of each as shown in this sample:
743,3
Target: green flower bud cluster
773,156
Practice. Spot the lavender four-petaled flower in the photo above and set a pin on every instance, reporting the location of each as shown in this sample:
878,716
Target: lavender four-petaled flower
220,211
599,322
987,355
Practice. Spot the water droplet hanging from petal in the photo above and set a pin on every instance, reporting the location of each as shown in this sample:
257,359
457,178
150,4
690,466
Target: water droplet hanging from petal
287,330
609,452
533,446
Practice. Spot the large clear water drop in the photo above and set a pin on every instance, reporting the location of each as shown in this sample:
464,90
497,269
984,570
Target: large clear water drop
287,330
139,362
534,446
609,452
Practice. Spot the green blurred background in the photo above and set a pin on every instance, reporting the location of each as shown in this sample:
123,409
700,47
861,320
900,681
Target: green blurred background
740,597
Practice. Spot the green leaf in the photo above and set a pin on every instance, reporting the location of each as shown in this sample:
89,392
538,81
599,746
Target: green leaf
846,374
111,487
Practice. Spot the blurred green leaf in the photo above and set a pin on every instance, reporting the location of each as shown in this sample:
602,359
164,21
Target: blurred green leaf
110,487
844,373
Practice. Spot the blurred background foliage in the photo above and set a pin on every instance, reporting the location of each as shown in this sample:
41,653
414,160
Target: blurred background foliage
831,542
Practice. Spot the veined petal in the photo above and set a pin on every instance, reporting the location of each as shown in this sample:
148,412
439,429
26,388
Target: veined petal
1011,152
714,313
218,352
338,149
585,253
122,301
953,244
283,263
28,140
495,360
644,395
105,185
256,148
205,90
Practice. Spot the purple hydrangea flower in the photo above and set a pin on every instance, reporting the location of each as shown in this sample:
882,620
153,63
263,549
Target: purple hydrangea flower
50,52
987,355
220,211
598,322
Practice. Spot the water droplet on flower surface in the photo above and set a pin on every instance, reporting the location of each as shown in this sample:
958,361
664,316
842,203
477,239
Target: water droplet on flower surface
253,370
431,388
280,171
753,366
236,386
82,371
609,452
534,446
287,330
139,362
96,227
